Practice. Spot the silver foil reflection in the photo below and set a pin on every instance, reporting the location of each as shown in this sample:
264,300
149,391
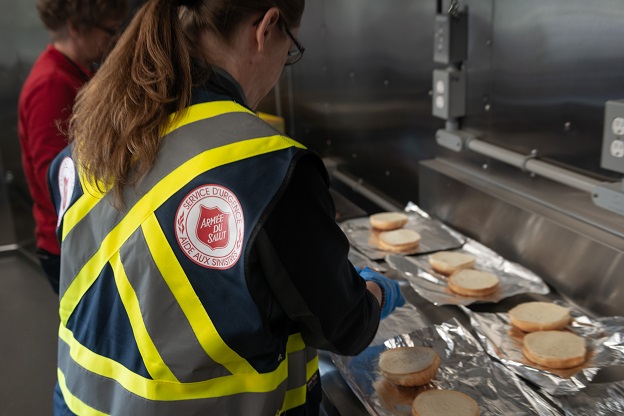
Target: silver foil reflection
360,260
434,235
464,367
433,286
503,342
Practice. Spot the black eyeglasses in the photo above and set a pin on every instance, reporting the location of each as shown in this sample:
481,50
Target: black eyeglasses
295,53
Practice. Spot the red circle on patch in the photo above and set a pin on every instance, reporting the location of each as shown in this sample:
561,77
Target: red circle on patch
209,227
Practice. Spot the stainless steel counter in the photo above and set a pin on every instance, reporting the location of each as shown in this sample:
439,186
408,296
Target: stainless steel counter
339,394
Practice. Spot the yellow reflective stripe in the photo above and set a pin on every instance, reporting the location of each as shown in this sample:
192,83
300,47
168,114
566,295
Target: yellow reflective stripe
91,195
311,367
76,405
154,198
295,343
170,391
154,363
182,290
203,111
294,397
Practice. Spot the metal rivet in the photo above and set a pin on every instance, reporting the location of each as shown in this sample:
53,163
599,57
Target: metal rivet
487,107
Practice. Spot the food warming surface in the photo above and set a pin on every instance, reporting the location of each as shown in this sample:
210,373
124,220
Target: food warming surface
603,396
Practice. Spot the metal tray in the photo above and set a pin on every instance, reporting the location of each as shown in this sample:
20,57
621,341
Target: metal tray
514,278
605,344
435,236
464,367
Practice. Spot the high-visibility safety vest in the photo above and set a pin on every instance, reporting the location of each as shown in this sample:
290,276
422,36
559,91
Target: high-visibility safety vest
156,318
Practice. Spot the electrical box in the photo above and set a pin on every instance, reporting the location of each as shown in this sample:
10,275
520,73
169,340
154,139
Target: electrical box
613,137
449,93
450,38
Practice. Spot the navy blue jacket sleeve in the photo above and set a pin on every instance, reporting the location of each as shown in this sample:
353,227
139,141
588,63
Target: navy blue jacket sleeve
305,257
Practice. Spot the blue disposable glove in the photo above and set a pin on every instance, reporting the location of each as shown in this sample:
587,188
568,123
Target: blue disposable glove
392,292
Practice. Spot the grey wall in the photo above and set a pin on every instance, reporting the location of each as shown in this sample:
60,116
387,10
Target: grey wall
539,72
22,39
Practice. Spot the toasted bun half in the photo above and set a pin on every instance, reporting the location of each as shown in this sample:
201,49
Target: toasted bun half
554,349
444,403
539,316
448,262
399,240
388,220
469,282
409,366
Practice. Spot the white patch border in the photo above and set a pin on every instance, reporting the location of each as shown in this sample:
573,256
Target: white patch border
66,170
238,232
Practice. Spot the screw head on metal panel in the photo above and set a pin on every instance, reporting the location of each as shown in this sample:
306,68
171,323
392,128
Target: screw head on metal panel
487,107
567,126
485,166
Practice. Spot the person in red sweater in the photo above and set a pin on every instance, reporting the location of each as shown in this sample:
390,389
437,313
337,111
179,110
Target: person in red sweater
82,33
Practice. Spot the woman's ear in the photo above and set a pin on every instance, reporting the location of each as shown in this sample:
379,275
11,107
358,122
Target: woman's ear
73,30
267,25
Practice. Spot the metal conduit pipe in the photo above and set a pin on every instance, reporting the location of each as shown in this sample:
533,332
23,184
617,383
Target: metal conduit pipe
532,165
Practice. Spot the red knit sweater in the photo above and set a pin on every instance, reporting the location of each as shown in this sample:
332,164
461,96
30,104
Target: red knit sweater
45,104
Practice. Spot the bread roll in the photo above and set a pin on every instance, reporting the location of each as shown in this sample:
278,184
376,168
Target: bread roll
399,240
554,349
468,282
448,262
409,366
388,220
539,316
444,403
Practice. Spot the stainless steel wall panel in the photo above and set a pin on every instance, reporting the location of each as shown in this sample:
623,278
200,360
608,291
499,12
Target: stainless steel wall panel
554,65
23,38
539,72
583,262
361,93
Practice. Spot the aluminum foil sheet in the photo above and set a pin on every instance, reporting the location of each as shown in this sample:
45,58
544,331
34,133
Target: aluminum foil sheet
514,278
604,399
403,320
464,367
502,341
435,236
360,260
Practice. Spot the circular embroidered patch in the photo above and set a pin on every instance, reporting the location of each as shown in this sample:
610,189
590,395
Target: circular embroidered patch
210,227
66,183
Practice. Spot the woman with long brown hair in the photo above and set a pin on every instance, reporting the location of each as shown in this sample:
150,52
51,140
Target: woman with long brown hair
201,263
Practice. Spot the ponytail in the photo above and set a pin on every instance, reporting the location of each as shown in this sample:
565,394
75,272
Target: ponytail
120,114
